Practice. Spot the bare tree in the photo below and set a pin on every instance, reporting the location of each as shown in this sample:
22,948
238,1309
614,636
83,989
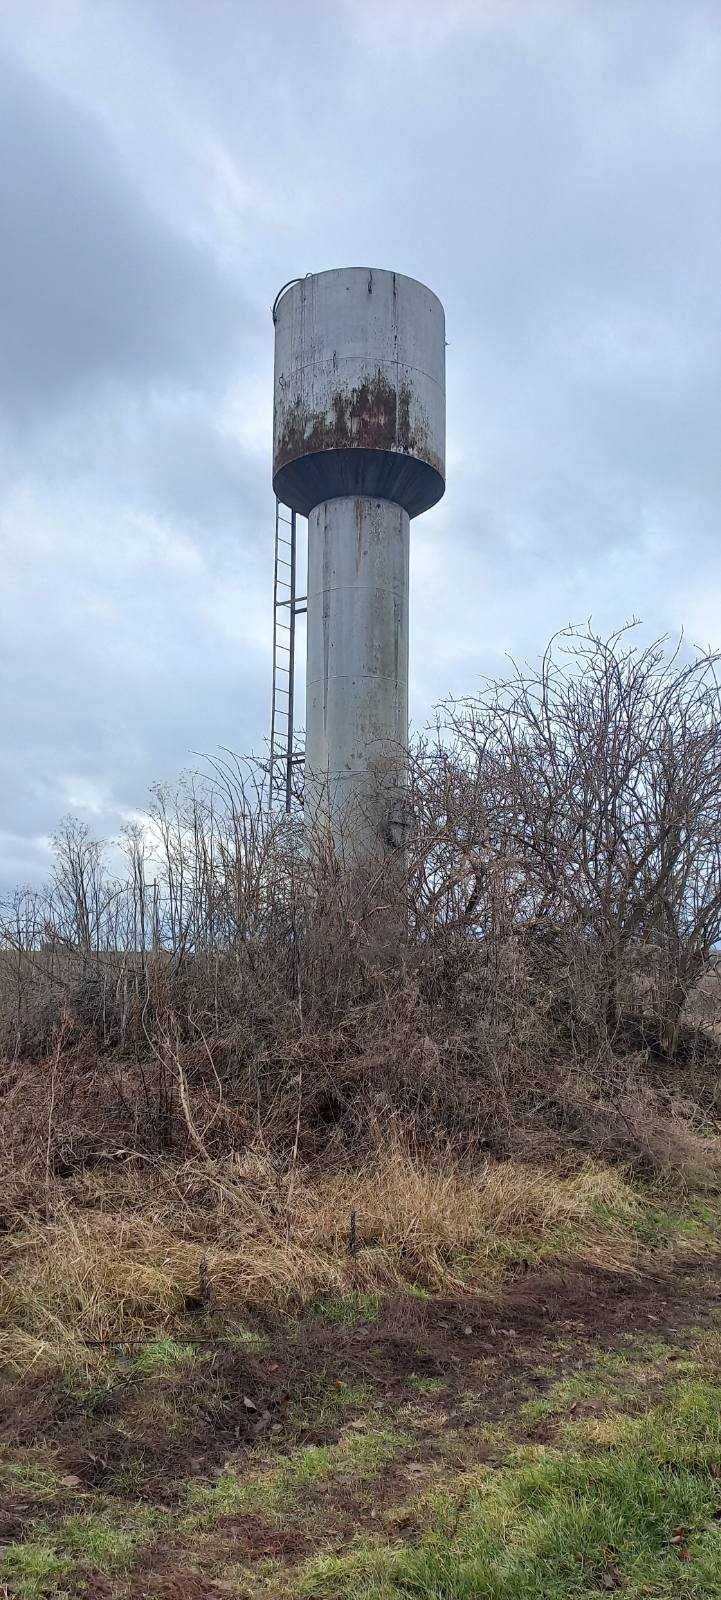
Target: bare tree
601,771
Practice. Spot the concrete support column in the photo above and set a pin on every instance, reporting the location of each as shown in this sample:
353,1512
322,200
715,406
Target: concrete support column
357,683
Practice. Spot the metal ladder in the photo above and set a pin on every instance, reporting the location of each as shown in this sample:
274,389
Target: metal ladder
287,606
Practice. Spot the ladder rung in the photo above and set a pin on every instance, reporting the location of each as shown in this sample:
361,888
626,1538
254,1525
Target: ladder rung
283,759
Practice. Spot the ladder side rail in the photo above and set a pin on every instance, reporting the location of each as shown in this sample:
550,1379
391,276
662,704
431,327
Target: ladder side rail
288,605
291,670
275,639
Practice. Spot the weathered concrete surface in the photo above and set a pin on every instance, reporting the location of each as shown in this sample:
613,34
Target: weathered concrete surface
359,390
357,682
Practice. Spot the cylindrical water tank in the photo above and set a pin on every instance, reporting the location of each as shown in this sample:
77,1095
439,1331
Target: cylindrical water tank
359,448
360,396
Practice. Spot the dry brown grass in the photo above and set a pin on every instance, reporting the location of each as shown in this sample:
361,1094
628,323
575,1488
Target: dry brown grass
120,1254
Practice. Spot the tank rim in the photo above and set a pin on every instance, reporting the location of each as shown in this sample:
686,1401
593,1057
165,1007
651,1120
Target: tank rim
329,272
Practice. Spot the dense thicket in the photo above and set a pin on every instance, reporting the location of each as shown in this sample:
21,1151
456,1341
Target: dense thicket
216,977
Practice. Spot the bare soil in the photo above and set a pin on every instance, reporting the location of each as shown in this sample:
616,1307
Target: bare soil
409,1338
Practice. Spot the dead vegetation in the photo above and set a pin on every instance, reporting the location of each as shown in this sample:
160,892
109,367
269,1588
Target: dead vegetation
212,1053
219,980
199,1247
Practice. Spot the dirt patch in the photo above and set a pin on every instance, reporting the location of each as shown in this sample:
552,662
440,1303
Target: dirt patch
230,1401
165,1574
14,1517
174,1580
252,1538
436,1371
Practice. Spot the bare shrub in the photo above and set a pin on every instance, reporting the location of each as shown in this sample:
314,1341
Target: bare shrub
222,978
596,780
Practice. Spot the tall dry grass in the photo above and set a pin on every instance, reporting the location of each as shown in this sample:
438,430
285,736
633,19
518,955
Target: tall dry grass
120,1257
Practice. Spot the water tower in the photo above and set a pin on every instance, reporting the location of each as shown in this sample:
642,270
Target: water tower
359,449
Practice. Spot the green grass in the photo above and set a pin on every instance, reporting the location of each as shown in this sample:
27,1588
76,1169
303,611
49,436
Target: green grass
100,1541
427,1386
641,1513
31,1570
341,1396
347,1310
599,1472
92,1398
627,1498
163,1355
26,1475
609,1380
325,1400
250,1340
359,1455
655,1224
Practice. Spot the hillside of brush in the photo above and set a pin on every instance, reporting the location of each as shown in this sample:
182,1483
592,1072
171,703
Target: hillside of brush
351,1226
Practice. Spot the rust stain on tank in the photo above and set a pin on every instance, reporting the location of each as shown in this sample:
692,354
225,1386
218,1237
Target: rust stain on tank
372,416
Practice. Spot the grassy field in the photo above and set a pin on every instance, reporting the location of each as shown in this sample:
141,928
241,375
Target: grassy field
503,1383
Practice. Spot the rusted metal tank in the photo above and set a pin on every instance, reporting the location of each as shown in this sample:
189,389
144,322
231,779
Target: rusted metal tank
359,448
360,404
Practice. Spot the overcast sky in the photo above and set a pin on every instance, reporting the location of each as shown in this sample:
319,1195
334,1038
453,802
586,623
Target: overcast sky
552,170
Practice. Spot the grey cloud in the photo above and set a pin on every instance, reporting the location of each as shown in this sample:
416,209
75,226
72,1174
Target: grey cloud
94,286
551,169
